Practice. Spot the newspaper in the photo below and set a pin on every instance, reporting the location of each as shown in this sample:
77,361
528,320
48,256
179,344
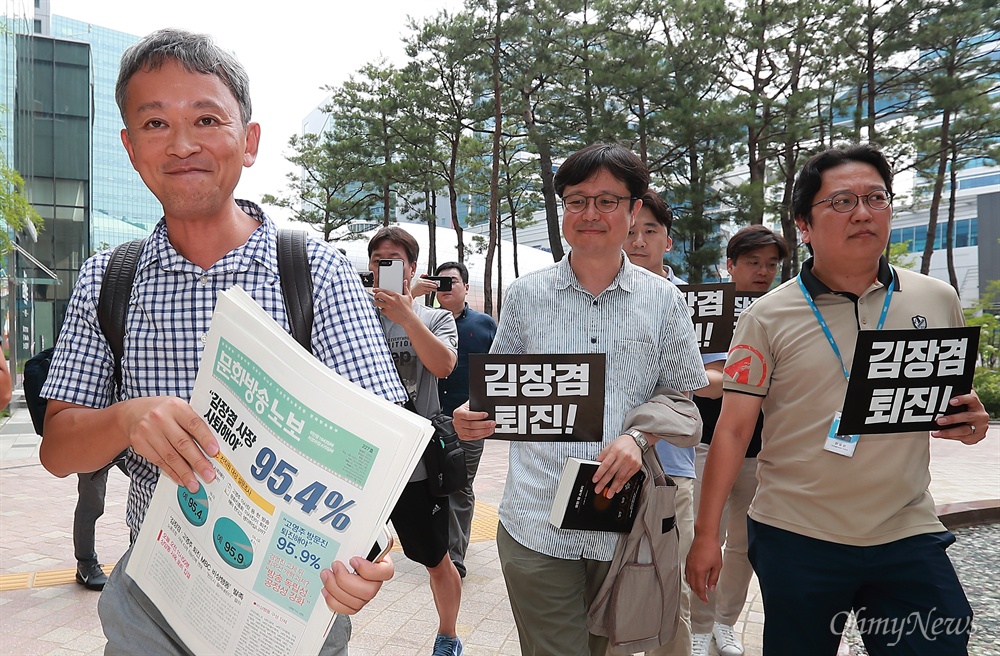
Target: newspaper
309,469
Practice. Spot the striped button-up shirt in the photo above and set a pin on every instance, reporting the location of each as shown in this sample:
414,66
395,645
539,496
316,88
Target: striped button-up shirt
170,309
642,324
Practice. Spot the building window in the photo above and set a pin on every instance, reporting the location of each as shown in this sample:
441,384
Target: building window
980,181
38,26
916,236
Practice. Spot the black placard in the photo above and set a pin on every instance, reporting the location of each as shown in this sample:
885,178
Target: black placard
540,398
901,380
712,309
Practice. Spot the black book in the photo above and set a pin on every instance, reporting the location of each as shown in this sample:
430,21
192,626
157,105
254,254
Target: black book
577,506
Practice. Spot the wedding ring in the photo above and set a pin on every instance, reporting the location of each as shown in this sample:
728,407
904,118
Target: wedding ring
973,427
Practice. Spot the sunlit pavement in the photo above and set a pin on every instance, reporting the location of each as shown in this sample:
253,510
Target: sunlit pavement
43,611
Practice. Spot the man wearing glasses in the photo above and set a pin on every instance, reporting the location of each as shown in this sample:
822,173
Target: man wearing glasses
587,303
830,533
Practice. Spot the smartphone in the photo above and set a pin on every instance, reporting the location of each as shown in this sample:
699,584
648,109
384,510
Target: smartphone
390,275
444,282
382,546
367,278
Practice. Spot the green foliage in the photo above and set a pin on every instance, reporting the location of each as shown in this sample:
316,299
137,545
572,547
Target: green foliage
986,314
899,255
961,80
987,385
15,210
328,190
722,99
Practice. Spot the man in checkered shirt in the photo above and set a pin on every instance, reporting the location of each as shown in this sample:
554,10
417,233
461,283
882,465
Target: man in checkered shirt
186,107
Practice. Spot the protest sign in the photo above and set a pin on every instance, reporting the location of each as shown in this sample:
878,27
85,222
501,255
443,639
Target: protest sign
542,398
902,380
712,309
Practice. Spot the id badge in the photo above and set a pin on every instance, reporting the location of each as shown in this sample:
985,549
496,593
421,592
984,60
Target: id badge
843,445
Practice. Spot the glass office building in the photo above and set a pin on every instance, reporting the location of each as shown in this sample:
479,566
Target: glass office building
120,198
48,143
61,131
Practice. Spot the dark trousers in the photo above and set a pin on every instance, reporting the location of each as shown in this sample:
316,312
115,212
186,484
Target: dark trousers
905,594
89,507
463,505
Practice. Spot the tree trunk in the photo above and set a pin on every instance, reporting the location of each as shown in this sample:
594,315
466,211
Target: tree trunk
697,203
513,241
925,261
870,72
499,275
643,137
386,163
453,198
431,218
790,266
494,175
755,126
548,185
949,235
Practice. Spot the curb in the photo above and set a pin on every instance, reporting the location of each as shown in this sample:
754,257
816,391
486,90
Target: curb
968,513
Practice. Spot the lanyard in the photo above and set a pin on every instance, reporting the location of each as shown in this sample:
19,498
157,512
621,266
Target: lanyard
826,328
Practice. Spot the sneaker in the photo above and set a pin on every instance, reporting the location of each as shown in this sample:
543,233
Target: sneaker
700,642
726,641
91,577
447,646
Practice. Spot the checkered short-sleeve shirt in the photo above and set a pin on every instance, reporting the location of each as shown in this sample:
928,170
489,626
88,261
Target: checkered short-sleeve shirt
170,309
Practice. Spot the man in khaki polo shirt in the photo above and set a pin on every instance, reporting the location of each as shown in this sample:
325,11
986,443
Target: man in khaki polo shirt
827,533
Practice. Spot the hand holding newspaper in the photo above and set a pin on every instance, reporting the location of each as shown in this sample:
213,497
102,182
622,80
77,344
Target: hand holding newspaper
310,466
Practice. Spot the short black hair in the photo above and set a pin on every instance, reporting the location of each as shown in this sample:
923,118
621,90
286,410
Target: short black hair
659,209
398,236
810,177
617,160
462,270
753,237
197,53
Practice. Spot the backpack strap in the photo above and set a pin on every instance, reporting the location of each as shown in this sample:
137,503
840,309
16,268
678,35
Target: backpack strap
112,306
296,284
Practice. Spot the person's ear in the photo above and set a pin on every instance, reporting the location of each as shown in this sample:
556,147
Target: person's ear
803,229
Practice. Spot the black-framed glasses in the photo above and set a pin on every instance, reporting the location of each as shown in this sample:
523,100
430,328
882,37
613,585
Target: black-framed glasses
605,203
845,201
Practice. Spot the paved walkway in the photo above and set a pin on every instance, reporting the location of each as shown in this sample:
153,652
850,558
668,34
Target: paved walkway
42,611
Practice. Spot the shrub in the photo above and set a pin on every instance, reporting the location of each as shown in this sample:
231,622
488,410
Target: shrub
987,385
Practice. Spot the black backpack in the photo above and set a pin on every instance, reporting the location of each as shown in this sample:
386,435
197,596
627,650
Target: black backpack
112,307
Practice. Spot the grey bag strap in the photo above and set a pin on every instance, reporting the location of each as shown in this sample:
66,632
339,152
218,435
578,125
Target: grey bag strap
296,284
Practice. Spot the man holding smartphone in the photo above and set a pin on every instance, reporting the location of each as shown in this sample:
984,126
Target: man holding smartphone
424,345
475,335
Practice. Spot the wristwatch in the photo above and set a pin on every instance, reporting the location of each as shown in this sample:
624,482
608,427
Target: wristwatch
640,439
